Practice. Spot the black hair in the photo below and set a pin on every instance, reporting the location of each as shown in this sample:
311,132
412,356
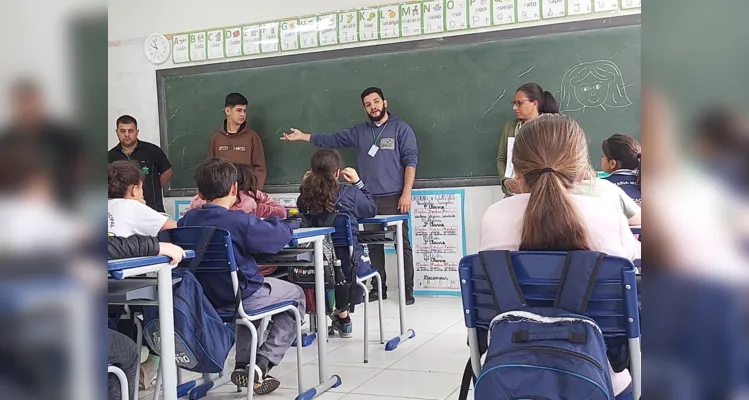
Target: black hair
371,90
547,104
215,178
235,99
247,181
126,119
318,191
122,175
625,150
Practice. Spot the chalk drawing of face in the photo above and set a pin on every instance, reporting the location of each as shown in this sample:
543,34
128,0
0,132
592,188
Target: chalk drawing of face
593,84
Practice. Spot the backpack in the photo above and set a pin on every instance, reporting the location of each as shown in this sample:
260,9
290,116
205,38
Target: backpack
544,353
202,341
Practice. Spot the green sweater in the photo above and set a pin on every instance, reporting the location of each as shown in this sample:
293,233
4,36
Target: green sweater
508,131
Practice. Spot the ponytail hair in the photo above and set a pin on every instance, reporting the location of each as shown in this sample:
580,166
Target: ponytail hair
547,104
247,182
625,150
319,191
550,153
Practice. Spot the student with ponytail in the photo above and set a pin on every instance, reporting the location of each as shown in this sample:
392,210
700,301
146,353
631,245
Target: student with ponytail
530,101
621,160
550,155
320,193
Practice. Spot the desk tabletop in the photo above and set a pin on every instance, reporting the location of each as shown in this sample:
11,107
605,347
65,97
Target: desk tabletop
126,263
379,219
302,233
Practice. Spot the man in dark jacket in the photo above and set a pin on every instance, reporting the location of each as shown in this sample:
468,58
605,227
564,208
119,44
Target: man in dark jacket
387,155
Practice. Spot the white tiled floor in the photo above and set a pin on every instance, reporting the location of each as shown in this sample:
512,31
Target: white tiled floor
430,366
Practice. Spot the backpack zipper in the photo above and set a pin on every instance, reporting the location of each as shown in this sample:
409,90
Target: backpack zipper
550,350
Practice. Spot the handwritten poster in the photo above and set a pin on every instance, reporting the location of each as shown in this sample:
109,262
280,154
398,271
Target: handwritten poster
504,11
629,4
327,26
553,8
434,16
308,32
285,199
389,21
529,10
197,46
348,27
605,5
269,37
180,49
289,35
251,39
180,208
369,24
438,238
410,19
233,44
215,44
479,13
456,15
578,7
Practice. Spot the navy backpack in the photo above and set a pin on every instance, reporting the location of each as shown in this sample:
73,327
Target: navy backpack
543,353
202,340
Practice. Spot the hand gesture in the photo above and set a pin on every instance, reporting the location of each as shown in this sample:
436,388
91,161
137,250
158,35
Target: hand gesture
349,175
172,251
306,174
295,135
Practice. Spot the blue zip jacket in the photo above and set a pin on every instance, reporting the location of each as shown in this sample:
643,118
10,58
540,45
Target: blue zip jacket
383,172
249,235
626,179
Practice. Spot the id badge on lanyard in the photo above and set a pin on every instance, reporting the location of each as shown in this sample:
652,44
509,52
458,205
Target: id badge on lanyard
374,149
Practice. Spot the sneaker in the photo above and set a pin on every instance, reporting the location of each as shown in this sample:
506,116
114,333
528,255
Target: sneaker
264,383
410,300
373,295
343,327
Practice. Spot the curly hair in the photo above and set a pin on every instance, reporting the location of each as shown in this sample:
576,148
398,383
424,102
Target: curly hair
122,175
318,191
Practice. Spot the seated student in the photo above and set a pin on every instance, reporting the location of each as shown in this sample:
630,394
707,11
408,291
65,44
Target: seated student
320,193
217,185
121,350
591,185
128,212
621,160
550,154
250,199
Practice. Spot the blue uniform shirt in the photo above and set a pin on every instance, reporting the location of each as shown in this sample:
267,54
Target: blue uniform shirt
626,179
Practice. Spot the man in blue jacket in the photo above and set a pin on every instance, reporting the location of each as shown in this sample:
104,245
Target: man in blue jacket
387,155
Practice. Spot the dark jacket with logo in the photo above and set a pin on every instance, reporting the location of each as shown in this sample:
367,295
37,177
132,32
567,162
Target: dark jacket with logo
384,173
152,162
243,147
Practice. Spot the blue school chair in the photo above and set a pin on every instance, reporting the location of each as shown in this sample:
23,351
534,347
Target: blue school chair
613,301
120,374
219,258
343,237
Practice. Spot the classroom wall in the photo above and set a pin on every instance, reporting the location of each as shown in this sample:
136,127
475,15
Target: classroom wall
132,80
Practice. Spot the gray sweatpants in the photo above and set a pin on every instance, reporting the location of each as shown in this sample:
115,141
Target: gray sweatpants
124,354
283,331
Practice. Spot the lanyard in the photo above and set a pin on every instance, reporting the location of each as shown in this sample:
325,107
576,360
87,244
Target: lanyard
382,129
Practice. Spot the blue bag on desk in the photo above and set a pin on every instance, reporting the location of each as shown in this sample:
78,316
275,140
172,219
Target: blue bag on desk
202,341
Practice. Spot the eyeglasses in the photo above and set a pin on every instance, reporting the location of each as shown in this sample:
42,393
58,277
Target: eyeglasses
517,103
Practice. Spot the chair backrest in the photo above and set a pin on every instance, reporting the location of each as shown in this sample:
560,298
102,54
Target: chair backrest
342,236
219,257
613,302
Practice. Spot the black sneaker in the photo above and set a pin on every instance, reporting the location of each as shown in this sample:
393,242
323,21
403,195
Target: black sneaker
264,383
410,300
373,295
343,327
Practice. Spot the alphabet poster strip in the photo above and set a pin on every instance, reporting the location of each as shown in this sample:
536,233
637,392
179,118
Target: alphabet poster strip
579,7
479,13
328,28
233,42
433,16
605,5
630,4
197,46
529,10
269,37
251,39
215,44
553,8
348,27
290,35
308,32
456,15
180,49
438,239
503,12
411,19
369,24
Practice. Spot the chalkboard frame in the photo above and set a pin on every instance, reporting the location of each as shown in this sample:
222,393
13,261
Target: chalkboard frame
428,43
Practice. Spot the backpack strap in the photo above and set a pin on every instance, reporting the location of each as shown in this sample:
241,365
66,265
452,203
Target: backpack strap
206,235
465,383
503,282
578,279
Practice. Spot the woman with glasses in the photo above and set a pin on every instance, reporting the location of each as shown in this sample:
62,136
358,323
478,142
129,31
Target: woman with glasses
530,101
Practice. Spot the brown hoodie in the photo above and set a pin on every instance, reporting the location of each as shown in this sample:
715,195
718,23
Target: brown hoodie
243,147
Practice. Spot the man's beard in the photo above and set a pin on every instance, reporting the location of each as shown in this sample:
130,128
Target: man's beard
378,118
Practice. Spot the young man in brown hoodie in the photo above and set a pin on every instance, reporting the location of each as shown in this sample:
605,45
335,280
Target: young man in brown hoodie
236,142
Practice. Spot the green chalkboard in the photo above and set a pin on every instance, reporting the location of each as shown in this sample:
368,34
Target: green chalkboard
455,94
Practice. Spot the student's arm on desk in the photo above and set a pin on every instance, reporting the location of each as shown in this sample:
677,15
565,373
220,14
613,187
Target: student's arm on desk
267,236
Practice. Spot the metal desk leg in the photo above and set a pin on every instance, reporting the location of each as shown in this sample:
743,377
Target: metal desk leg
166,319
406,334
